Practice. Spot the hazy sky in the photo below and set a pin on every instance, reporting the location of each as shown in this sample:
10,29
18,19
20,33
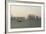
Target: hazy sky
24,11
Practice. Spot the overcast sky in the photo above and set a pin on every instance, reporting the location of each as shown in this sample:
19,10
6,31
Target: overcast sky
24,11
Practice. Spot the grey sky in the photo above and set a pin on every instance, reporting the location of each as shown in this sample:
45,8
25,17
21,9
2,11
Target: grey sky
24,11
